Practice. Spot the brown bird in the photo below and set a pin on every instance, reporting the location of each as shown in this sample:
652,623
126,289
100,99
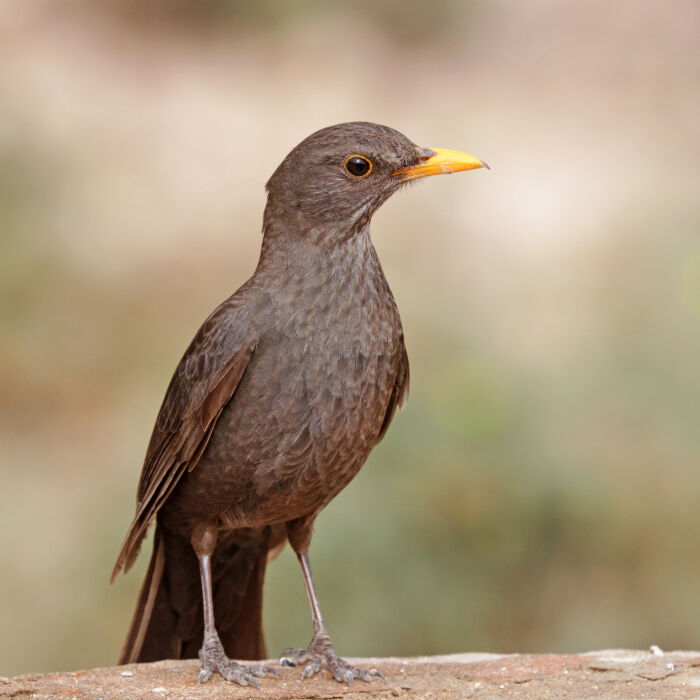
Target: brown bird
274,407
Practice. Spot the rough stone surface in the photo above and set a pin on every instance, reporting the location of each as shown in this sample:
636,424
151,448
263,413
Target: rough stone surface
600,674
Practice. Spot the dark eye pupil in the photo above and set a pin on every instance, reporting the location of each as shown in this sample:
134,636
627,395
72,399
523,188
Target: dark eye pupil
357,166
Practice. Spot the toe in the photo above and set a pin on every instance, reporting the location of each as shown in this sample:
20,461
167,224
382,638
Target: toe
295,657
238,675
340,670
368,675
312,668
259,670
376,673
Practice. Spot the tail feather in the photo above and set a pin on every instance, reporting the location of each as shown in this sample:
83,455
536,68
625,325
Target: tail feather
150,599
168,623
240,610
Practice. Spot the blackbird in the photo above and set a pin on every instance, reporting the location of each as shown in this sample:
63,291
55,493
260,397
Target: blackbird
273,409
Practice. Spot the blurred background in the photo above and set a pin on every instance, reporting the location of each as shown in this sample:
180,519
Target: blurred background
540,491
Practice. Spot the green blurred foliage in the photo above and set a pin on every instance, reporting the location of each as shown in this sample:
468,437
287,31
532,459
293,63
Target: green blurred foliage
540,490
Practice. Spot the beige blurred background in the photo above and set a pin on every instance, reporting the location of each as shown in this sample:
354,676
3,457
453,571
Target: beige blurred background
540,491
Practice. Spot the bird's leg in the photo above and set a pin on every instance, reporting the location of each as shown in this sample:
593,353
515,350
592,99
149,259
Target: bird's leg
212,654
320,653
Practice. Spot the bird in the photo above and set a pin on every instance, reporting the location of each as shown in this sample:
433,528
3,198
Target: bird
275,405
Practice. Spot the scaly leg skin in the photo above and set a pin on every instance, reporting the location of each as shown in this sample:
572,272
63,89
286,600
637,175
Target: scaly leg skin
320,654
214,658
212,654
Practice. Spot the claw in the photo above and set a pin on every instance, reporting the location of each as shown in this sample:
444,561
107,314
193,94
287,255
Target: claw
260,671
244,679
214,658
321,655
311,668
376,672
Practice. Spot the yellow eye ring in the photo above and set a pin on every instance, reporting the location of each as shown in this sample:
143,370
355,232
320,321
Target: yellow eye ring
357,166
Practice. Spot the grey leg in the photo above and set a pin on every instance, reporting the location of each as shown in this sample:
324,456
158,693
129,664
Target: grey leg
320,653
212,653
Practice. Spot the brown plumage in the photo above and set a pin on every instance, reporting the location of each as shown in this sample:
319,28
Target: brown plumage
274,407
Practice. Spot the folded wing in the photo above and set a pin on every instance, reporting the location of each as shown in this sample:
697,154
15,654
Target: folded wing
203,383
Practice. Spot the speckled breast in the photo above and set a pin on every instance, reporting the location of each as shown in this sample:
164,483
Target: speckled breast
308,410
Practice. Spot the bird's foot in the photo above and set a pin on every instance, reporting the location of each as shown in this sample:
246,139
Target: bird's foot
214,658
320,654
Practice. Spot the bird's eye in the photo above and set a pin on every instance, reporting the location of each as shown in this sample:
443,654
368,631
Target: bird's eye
358,166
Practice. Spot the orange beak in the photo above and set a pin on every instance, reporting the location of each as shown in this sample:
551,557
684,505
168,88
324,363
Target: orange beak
439,161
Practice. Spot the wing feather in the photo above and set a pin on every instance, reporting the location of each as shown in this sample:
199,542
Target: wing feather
399,394
203,383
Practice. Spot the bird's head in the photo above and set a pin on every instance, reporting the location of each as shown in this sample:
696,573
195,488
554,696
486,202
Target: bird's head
335,179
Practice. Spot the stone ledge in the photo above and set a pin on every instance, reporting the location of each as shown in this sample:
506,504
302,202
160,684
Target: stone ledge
599,674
